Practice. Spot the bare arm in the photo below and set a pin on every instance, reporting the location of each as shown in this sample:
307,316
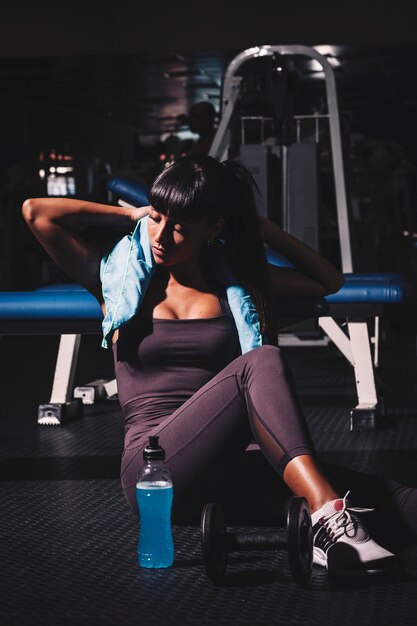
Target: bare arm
312,275
57,224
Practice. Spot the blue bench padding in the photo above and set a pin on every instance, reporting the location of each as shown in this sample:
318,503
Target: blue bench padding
361,287
70,301
73,302
375,291
130,192
49,304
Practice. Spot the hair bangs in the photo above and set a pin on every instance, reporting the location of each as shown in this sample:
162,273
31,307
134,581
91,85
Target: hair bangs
178,192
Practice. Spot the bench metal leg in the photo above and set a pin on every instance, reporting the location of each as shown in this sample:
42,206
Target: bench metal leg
111,388
61,407
96,390
364,373
368,411
357,349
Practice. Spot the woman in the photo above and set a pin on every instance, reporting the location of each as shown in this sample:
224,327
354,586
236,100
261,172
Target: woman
192,326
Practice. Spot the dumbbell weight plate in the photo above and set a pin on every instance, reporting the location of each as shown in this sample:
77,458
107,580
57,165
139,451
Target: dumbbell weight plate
213,542
299,540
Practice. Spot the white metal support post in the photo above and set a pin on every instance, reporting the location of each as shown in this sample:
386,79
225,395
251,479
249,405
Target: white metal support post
220,144
362,357
357,349
61,407
65,368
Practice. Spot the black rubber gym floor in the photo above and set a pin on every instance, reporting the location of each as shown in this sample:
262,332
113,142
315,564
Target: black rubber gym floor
68,540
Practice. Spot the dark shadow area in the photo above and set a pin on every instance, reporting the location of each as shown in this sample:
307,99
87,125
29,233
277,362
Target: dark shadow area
60,468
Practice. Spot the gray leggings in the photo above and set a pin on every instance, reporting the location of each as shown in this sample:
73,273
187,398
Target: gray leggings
205,439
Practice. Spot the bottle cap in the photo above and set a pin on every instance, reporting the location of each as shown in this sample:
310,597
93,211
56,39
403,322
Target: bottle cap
153,450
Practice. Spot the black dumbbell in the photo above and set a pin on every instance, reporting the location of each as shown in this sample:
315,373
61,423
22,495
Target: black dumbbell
217,542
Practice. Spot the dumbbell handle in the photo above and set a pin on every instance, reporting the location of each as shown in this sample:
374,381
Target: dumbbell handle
238,541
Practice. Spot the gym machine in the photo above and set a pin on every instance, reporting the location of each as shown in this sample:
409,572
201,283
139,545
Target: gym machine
280,160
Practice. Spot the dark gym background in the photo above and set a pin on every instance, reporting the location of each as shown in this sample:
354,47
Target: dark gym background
105,84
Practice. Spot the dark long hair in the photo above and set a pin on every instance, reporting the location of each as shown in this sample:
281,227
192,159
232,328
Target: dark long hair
195,188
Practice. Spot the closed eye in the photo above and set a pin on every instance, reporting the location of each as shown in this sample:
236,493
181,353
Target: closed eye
180,228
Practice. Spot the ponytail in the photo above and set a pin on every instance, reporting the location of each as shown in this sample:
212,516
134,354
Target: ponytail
245,248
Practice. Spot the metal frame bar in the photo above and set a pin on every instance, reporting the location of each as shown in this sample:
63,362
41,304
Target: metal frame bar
364,372
231,90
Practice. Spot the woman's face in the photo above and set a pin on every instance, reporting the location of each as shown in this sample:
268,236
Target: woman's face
175,243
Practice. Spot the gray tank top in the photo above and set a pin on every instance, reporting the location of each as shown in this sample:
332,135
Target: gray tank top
160,363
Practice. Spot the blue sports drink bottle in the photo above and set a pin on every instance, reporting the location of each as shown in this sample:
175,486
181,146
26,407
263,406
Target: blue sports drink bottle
154,493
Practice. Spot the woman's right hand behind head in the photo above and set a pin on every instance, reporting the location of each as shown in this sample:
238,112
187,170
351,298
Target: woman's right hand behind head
139,212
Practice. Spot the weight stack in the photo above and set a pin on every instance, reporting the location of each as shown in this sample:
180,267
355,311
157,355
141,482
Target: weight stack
263,163
300,211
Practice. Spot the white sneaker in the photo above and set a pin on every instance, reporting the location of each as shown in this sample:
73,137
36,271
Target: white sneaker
342,543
